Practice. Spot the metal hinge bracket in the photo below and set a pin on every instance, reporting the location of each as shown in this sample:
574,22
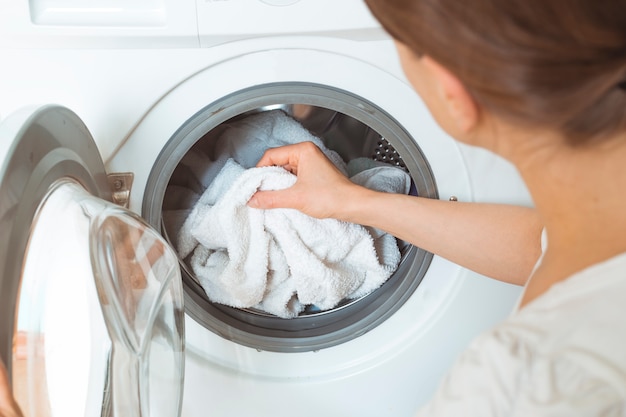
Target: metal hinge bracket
120,184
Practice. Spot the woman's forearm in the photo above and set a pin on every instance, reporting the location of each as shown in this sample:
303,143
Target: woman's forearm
496,240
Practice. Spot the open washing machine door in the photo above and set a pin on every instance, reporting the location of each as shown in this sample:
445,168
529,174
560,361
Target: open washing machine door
91,311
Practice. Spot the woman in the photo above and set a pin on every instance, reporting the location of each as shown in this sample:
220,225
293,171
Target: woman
543,84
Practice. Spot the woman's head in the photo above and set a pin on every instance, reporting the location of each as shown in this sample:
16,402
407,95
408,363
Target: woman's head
557,64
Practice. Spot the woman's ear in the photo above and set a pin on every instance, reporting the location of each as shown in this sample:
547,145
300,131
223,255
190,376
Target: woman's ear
463,110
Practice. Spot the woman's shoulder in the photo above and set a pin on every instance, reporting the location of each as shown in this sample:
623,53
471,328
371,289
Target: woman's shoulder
585,308
562,354
594,293
576,331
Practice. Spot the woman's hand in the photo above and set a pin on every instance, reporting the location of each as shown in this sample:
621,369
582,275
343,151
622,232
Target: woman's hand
320,191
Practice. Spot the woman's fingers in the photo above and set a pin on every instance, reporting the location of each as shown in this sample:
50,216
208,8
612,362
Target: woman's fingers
319,189
283,156
272,199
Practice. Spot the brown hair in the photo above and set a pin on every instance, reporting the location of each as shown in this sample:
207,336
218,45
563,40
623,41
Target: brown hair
559,64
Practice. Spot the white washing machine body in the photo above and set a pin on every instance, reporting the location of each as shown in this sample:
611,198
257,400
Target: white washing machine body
139,76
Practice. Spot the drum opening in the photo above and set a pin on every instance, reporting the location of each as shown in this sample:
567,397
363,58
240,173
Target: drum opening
346,124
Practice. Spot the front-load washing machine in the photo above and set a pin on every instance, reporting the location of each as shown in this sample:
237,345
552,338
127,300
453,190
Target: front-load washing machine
101,104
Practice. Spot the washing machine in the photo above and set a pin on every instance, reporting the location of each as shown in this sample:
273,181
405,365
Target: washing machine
100,104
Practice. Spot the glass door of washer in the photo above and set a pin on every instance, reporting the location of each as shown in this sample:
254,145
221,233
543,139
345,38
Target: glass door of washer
92,317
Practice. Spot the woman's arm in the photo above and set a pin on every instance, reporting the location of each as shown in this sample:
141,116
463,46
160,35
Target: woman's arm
496,240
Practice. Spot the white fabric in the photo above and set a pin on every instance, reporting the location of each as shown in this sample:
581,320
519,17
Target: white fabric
563,354
281,260
246,140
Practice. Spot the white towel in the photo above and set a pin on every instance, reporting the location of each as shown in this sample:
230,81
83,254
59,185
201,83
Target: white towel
246,140
278,260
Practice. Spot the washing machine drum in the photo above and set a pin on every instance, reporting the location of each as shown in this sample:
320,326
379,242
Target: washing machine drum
212,153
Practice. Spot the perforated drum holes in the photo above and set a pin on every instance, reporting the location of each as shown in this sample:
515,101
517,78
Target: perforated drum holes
386,153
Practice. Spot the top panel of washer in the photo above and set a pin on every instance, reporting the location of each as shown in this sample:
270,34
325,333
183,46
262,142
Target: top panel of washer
176,23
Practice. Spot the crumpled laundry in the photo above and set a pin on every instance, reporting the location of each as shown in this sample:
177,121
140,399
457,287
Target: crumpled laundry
280,260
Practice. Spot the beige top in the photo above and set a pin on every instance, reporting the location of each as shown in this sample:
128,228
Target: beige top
563,354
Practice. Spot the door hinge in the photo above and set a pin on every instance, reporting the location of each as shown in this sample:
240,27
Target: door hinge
120,184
